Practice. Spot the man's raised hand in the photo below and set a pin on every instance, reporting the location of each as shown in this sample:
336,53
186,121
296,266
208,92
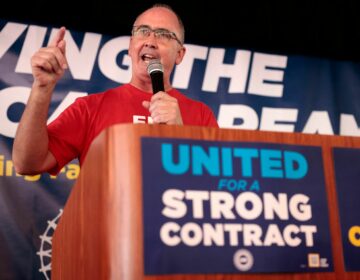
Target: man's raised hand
49,63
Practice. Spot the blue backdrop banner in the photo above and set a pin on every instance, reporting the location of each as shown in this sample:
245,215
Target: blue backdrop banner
245,89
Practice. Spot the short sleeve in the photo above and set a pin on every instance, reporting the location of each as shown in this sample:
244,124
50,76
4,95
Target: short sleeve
67,134
208,117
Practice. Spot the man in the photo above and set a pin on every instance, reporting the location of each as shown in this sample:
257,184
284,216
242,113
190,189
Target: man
158,33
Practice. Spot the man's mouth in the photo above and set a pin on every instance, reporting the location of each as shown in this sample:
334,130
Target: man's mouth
148,57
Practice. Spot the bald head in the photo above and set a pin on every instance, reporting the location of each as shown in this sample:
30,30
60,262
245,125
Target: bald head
164,13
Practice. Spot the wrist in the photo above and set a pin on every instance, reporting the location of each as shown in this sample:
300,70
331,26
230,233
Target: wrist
41,93
43,86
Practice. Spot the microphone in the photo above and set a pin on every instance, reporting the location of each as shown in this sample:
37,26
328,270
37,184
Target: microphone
156,72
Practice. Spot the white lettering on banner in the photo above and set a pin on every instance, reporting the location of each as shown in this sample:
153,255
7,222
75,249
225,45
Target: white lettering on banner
299,207
278,119
228,113
289,235
221,205
265,74
273,236
192,234
242,202
225,205
254,74
216,69
12,95
213,233
252,235
107,60
276,205
197,198
166,237
81,60
33,41
183,71
66,102
319,122
176,208
8,97
9,34
348,125
262,74
233,230
274,119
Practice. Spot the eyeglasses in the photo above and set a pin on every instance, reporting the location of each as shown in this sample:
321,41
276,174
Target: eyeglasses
161,34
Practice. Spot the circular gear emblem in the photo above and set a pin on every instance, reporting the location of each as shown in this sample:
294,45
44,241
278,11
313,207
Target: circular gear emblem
243,260
46,246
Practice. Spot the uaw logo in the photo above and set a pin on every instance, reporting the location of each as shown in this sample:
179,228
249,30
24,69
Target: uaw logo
46,246
243,260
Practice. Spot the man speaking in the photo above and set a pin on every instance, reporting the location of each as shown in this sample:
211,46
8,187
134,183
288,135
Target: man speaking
157,34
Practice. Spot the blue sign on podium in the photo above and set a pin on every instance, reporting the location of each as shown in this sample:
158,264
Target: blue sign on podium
232,207
347,175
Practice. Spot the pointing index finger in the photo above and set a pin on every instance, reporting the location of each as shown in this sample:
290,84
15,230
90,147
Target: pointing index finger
58,37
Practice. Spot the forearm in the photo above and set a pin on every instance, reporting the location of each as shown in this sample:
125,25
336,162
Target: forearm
30,149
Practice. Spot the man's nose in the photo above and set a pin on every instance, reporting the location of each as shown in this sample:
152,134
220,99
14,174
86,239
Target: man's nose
151,41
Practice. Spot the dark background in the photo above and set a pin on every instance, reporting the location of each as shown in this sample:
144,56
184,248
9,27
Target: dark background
313,28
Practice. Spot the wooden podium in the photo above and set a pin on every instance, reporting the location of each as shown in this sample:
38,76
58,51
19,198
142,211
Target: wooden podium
100,234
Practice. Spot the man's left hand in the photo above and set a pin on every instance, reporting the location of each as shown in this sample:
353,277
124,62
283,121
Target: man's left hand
164,109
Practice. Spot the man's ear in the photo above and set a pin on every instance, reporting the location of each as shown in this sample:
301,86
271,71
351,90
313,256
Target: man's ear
180,55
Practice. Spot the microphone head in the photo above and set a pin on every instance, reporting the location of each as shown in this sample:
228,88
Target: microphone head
156,71
155,66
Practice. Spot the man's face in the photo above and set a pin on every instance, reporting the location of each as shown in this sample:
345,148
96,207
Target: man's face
145,44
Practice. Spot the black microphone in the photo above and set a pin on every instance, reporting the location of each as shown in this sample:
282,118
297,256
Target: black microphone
156,72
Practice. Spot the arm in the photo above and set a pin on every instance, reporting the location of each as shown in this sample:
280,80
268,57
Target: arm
30,150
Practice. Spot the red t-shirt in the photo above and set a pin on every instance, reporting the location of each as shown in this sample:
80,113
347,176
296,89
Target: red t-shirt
71,134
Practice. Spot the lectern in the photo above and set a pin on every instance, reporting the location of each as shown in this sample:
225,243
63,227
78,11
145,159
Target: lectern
100,234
